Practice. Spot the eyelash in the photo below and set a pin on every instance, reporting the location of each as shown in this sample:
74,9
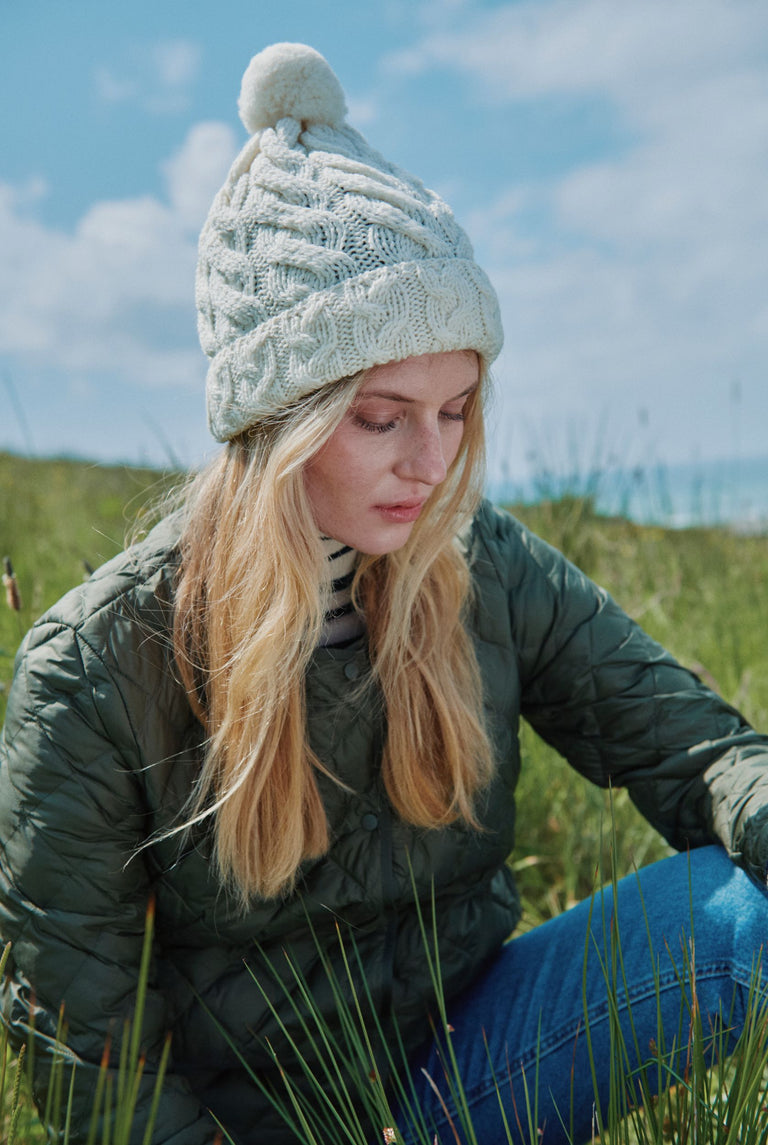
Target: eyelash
385,427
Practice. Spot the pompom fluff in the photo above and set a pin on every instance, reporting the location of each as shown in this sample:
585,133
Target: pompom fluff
290,79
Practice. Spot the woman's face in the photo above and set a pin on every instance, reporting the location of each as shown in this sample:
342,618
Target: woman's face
369,482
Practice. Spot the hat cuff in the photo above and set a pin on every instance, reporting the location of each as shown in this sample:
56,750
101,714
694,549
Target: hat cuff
385,315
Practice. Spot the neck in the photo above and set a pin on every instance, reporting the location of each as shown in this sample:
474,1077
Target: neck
342,623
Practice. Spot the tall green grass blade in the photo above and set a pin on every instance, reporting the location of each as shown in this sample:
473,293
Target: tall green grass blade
70,1100
99,1094
15,1118
15,1096
57,1087
4,1055
30,1063
122,1068
161,1071
337,1068
400,1076
53,1094
141,989
125,1113
598,1115
502,1108
248,1070
451,1071
222,1133
109,1095
4,1040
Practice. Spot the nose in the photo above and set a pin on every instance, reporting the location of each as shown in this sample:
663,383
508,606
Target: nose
423,458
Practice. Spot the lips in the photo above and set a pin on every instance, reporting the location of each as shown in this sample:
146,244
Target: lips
401,511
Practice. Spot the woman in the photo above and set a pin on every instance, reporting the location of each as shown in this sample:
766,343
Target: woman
294,706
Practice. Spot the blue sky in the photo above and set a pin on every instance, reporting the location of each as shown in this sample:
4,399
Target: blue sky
609,160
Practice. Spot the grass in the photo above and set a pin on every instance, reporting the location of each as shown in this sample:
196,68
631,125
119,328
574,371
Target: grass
697,1089
112,1114
702,592
58,519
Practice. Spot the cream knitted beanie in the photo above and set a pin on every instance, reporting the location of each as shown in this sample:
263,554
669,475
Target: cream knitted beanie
319,258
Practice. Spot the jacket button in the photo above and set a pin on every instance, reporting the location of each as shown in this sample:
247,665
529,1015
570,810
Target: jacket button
351,670
370,821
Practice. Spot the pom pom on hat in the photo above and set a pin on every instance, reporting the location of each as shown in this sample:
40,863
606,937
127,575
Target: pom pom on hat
290,80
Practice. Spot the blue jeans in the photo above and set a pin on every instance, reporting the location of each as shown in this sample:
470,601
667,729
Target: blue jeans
532,1002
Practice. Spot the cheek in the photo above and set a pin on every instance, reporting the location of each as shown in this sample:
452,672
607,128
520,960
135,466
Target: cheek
350,458
452,444
319,484
333,477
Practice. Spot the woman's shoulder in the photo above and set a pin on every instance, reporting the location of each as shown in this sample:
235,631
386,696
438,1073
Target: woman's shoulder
137,583
517,574
115,627
500,546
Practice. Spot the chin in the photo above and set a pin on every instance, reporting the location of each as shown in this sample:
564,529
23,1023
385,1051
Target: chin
379,546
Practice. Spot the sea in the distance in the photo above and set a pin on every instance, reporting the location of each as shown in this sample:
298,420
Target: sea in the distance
732,492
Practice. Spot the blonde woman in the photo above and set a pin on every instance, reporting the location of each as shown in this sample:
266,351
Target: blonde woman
294,705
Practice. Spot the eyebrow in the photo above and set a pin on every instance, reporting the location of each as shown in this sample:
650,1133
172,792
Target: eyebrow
390,397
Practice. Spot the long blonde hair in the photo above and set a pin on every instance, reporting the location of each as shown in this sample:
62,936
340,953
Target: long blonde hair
250,602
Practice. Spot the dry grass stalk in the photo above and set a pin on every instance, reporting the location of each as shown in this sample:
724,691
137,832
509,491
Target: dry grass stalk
12,594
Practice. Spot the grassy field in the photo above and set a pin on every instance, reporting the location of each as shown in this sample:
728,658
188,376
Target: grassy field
701,592
57,519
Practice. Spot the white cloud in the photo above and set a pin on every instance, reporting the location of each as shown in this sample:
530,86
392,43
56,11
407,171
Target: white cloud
112,88
116,295
157,77
176,62
541,47
637,278
195,173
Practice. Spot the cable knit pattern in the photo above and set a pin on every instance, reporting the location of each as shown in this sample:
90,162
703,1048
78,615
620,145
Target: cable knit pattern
318,259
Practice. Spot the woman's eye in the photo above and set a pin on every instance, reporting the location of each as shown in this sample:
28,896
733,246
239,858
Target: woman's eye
385,426
374,426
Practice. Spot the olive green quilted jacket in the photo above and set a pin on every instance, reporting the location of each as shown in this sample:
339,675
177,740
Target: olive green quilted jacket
100,748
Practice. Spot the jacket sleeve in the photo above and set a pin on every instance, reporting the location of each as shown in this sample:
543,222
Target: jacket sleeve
624,712
71,904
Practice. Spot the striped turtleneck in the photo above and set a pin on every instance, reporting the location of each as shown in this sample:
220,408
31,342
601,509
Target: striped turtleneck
342,623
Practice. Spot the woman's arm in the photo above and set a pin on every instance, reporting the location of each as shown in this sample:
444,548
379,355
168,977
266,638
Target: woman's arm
73,907
624,712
